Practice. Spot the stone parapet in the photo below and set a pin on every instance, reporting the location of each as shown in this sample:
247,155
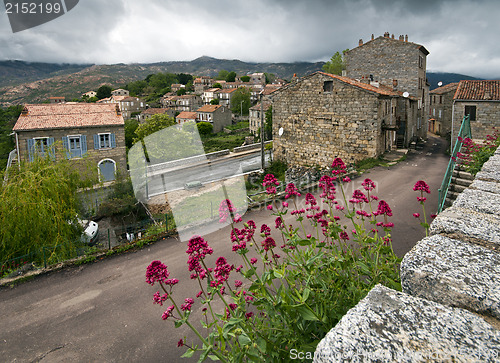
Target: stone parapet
449,310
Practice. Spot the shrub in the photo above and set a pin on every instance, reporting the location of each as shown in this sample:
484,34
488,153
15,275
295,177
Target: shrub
205,128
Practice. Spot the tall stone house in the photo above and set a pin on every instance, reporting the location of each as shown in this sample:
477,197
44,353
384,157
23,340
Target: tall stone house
81,131
323,116
480,99
129,105
441,108
219,116
395,62
254,120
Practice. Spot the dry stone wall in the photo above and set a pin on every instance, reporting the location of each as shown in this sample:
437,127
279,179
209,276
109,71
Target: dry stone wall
449,310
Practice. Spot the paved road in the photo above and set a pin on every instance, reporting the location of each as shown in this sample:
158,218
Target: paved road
103,311
218,169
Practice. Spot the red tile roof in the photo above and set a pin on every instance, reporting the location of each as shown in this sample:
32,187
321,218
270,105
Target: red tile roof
478,90
383,90
68,115
187,115
208,108
444,89
154,111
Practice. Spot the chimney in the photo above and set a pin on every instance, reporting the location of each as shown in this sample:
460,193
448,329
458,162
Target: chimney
392,36
402,38
118,111
373,36
386,35
394,84
25,111
406,38
360,42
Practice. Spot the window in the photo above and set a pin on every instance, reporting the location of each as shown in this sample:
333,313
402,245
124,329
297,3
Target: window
104,141
440,113
40,146
328,86
107,170
75,145
471,111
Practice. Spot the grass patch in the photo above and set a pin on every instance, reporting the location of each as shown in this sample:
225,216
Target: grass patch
222,141
238,126
369,163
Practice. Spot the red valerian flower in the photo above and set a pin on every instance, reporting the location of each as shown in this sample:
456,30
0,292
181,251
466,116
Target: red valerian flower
188,302
338,167
383,209
168,312
198,248
222,270
270,182
180,343
253,260
422,186
226,210
291,190
159,299
156,271
326,183
268,243
358,197
237,283
368,184
416,215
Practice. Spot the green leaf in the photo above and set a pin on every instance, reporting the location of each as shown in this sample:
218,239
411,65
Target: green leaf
189,353
243,339
178,323
213,357
304,242
306,313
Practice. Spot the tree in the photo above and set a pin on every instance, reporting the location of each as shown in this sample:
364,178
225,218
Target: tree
231,77
153,124
268,126
222,74
215,101
240,102
39,209
217,85
184,78
8,118
245,78
205,128
130,126
181,92
336,64
104,92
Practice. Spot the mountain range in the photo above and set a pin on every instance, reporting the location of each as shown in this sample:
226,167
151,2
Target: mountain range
28,82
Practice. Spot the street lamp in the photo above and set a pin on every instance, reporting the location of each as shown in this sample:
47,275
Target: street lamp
241,105
262,161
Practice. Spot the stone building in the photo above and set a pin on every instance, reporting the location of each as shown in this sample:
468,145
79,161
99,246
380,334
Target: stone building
395,62
440,110
323,116
219,116
480,99
90,131
254,116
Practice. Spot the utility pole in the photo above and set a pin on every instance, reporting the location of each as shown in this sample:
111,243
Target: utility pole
262,158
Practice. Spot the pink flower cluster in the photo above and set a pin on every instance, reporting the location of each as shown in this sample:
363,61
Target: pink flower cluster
422,186
221,271
326,183
270,183
156,272
226,210
291,190
338,167
197,250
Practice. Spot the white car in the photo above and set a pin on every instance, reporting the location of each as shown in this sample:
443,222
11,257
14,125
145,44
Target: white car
90,231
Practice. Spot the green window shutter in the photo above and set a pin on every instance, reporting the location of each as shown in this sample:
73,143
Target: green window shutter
112,140
83,142
96,142
31,149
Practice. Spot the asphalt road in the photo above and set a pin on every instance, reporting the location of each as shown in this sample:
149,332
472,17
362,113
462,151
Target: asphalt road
103,311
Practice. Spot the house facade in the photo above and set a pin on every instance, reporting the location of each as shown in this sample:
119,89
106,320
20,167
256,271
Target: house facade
396,62
480,99
254,116
323,116
120,92
186,116
219,116
81,131
441,108
225,95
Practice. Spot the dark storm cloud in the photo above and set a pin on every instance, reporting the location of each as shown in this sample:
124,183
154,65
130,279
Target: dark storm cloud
461,35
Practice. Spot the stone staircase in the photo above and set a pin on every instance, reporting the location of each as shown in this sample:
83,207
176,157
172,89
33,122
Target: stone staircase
460,181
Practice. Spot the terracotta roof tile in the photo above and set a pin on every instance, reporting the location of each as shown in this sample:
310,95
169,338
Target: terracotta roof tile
444,89
478,90
208,108
187,115
154,111
64,115
383,90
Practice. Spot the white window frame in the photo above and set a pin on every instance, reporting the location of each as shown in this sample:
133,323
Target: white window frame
109,140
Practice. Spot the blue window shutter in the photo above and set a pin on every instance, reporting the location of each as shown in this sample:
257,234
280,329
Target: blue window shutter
83,142
112,140
31,149
51,150
66,146
96,142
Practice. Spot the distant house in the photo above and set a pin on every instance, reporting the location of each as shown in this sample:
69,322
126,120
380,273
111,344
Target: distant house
323,116
480,99
254,116
225,95
128,105
57,99
90,94
177,87
209,95
79,129
188,103
147,113
201,84
441,108
120,92
258,78
186,116
219,116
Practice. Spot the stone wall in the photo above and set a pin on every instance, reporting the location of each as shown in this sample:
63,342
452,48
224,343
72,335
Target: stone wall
487,117
320,125
449,310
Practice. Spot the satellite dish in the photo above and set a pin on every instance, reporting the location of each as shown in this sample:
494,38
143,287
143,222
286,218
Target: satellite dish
280,131
406,94
440,83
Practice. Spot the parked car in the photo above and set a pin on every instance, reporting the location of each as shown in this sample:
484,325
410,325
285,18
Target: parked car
90,231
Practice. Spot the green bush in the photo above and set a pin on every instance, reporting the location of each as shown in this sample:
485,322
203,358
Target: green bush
205,128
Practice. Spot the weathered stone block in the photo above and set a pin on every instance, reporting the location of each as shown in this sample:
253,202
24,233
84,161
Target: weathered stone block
390,326
479,201
453,273
486,186
468,224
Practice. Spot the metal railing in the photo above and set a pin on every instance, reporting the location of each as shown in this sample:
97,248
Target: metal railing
465,132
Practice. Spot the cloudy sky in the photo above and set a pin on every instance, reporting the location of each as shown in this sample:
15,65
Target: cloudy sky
462,36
